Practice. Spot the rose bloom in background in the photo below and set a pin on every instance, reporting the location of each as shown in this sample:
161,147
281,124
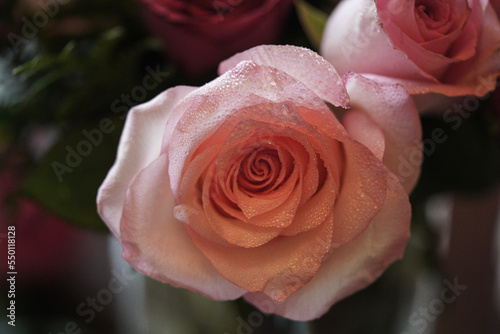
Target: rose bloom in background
197,35
45,244
496,6
449,47
251,186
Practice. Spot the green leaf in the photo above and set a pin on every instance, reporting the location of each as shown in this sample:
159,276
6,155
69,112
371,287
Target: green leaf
106,44
313,21
35,66
44,62
67,181
44,82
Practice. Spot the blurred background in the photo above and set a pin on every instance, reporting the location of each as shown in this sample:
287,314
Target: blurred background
69,72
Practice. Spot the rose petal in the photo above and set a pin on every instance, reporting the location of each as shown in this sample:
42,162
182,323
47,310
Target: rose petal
258,132
140,144
393,110
362,189
437,19
430,40
158,245
353,30
206,109
352,266
477,76
400,15
278,268
302,64
235,231
361,195
269,116
433,64
364,130
353,34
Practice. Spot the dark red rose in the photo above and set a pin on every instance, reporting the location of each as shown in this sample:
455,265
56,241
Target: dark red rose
198,34
496,6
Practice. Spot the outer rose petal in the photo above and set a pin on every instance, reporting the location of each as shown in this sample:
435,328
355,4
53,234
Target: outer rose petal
352,266
302,64
294,261
363,129
470,75
363,188
158,245
394,111
140,143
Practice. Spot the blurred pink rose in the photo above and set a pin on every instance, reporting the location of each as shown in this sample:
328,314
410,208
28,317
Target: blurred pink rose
449,47
251,186
45,244
197,35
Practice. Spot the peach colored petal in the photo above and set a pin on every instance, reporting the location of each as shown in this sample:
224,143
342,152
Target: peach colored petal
394,111
235,231
244,141
158,245
139,145
190,208
208,107
317,209
302,64
364,130
352,266
274,211
261,117
301,130
305,145
277,268
362,193
254,124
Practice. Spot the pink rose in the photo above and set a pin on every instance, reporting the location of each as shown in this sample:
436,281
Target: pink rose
45,245
197,35
250,186
449,47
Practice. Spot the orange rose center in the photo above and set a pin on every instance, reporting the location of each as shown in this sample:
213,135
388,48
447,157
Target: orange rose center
259,171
